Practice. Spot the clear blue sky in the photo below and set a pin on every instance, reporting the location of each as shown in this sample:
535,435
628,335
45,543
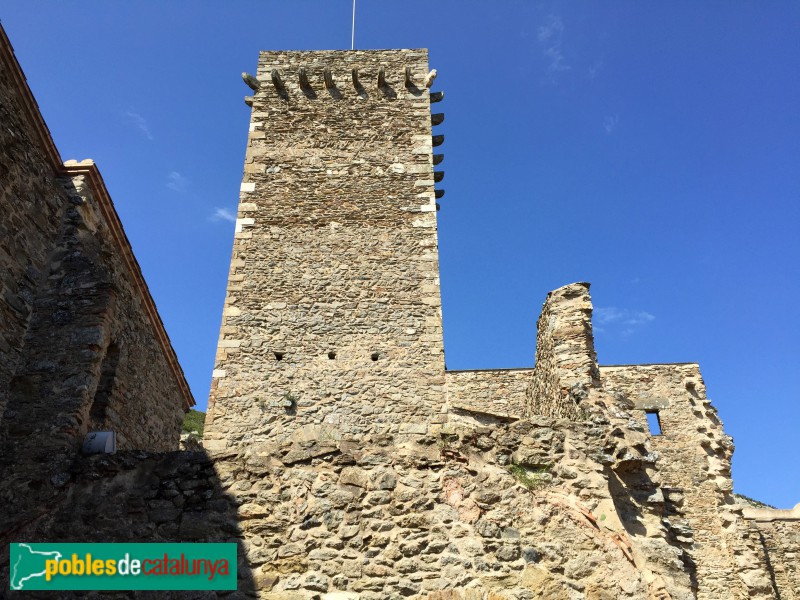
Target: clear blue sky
652,149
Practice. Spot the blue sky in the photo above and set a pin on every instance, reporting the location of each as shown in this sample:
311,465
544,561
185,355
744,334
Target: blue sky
652,149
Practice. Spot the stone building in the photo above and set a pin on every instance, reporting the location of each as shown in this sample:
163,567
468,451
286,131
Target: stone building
82,347
342,457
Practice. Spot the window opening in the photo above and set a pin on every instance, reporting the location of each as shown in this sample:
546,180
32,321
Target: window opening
653,422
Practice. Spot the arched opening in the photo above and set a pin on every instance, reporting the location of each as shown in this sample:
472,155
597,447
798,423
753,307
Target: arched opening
105,385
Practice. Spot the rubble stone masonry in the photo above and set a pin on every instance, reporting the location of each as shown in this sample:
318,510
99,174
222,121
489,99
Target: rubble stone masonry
333,314
32,202
340,456
499,392
566,364
702,514
81,345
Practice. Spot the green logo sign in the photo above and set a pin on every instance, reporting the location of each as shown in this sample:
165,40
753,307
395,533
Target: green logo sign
123,566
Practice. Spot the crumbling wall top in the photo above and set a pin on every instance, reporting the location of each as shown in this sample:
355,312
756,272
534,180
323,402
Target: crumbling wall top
566,363
771,514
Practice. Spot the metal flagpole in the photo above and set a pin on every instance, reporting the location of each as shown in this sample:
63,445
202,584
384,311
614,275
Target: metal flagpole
353,35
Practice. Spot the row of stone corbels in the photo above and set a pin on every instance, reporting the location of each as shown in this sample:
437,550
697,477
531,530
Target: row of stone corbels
437,140
330,84
305,85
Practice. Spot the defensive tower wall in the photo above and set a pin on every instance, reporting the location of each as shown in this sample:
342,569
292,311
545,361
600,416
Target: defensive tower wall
333,314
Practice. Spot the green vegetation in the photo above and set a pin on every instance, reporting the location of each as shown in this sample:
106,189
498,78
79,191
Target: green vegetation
532,479
194,420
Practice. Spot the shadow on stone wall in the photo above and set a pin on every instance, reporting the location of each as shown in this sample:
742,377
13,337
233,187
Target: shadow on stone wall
136,497
641,507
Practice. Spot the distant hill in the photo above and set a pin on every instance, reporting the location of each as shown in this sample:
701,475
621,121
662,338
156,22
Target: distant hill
750,502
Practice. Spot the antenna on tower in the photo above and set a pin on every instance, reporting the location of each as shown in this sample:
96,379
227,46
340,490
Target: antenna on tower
353,34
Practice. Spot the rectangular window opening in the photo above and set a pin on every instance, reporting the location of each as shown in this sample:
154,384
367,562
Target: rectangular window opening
653,422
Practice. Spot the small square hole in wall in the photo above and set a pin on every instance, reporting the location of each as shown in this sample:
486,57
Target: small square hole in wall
278,355
332,355
375,356
653,422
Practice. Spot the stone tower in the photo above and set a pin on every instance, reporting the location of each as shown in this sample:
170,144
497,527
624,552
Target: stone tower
332,318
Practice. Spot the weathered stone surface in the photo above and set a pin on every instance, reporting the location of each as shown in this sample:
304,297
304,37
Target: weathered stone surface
775,544
497,392
81,345
345,462
566,364
333,314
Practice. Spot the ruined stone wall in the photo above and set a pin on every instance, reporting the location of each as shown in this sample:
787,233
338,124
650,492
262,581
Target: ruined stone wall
517,511
566,363
512,511
774,536
333,312
781,542
500,392
694,470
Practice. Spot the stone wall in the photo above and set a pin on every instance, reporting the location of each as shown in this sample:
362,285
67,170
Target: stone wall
499,392
88,344
31,207
82,346
566,363
518,510
781,540
137,497
694,470
545,507
333,314
775,535
146,411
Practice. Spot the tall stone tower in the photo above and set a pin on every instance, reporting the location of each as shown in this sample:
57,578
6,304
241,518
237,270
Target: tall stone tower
332,318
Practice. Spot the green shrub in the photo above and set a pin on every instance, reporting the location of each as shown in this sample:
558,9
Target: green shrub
194,420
